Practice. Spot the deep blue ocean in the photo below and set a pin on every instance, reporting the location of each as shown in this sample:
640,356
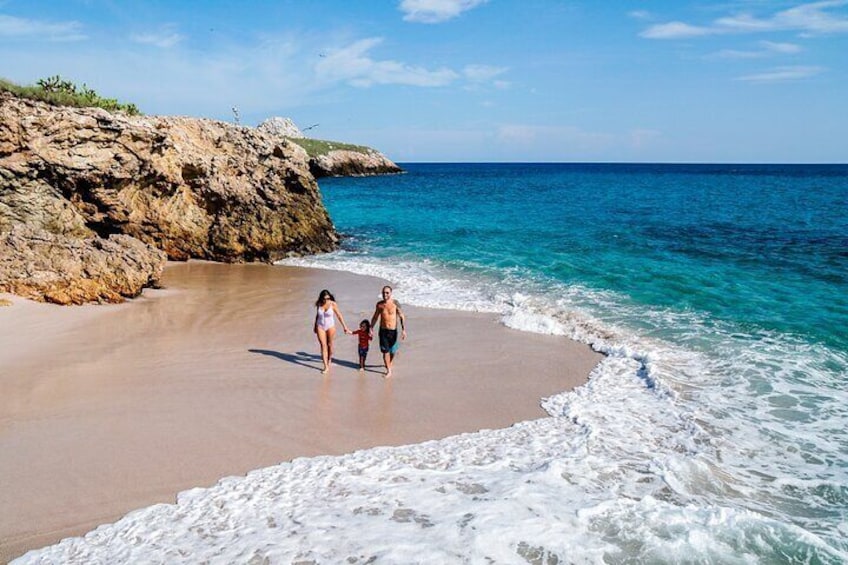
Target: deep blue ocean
719,294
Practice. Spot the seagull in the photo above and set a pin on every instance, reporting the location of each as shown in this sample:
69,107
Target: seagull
310,127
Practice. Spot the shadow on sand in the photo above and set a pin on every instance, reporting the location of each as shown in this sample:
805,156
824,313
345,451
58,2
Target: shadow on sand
309,360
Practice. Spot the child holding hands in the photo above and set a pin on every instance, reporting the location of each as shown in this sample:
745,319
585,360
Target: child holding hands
364,335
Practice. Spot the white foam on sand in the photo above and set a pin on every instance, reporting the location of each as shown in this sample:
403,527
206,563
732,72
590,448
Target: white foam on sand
535,492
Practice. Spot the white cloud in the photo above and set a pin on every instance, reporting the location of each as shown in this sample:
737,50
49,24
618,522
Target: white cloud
22,28
262,77
482,76
786,48
640,15
808,19
742,23
435,11
676,30
352,64
482,73
783,74
258,78
737,54
164,39
768,48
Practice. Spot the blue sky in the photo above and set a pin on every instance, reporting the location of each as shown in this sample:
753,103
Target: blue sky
470,80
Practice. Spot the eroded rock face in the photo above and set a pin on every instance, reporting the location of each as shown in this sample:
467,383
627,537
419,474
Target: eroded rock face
281,127
191,187
63,269
345,163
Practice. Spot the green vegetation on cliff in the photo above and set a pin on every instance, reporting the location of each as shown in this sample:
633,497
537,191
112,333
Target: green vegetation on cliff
317,147
59,92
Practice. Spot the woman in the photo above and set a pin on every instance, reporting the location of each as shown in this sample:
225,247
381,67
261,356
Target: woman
325,325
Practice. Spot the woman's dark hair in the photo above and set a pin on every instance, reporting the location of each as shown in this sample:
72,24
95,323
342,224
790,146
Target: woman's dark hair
322,295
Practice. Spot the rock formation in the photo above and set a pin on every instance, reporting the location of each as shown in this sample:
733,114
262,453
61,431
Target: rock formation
347,163
54,268
324,160
280,127
193,188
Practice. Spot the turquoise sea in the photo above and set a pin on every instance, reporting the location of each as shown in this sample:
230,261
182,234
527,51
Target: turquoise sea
720,293
714,430
761,246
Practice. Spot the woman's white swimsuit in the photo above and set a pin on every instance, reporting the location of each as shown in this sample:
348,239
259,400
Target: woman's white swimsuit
326,320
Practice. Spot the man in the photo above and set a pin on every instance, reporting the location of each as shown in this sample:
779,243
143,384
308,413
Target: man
389,313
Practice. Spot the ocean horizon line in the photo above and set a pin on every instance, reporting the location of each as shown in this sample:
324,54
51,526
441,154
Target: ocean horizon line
629,163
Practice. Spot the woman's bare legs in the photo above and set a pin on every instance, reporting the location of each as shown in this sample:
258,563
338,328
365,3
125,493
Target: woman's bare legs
323,340
331,334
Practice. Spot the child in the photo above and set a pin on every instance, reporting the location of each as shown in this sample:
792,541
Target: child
364,333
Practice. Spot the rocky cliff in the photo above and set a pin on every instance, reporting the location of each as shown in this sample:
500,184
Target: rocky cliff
192,188
332,158
347,163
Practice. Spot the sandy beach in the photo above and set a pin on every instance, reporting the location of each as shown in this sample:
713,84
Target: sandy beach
106,409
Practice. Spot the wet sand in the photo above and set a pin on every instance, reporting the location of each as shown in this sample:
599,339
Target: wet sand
106,409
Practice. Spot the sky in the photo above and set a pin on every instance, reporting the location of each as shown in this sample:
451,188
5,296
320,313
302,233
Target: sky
738,81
